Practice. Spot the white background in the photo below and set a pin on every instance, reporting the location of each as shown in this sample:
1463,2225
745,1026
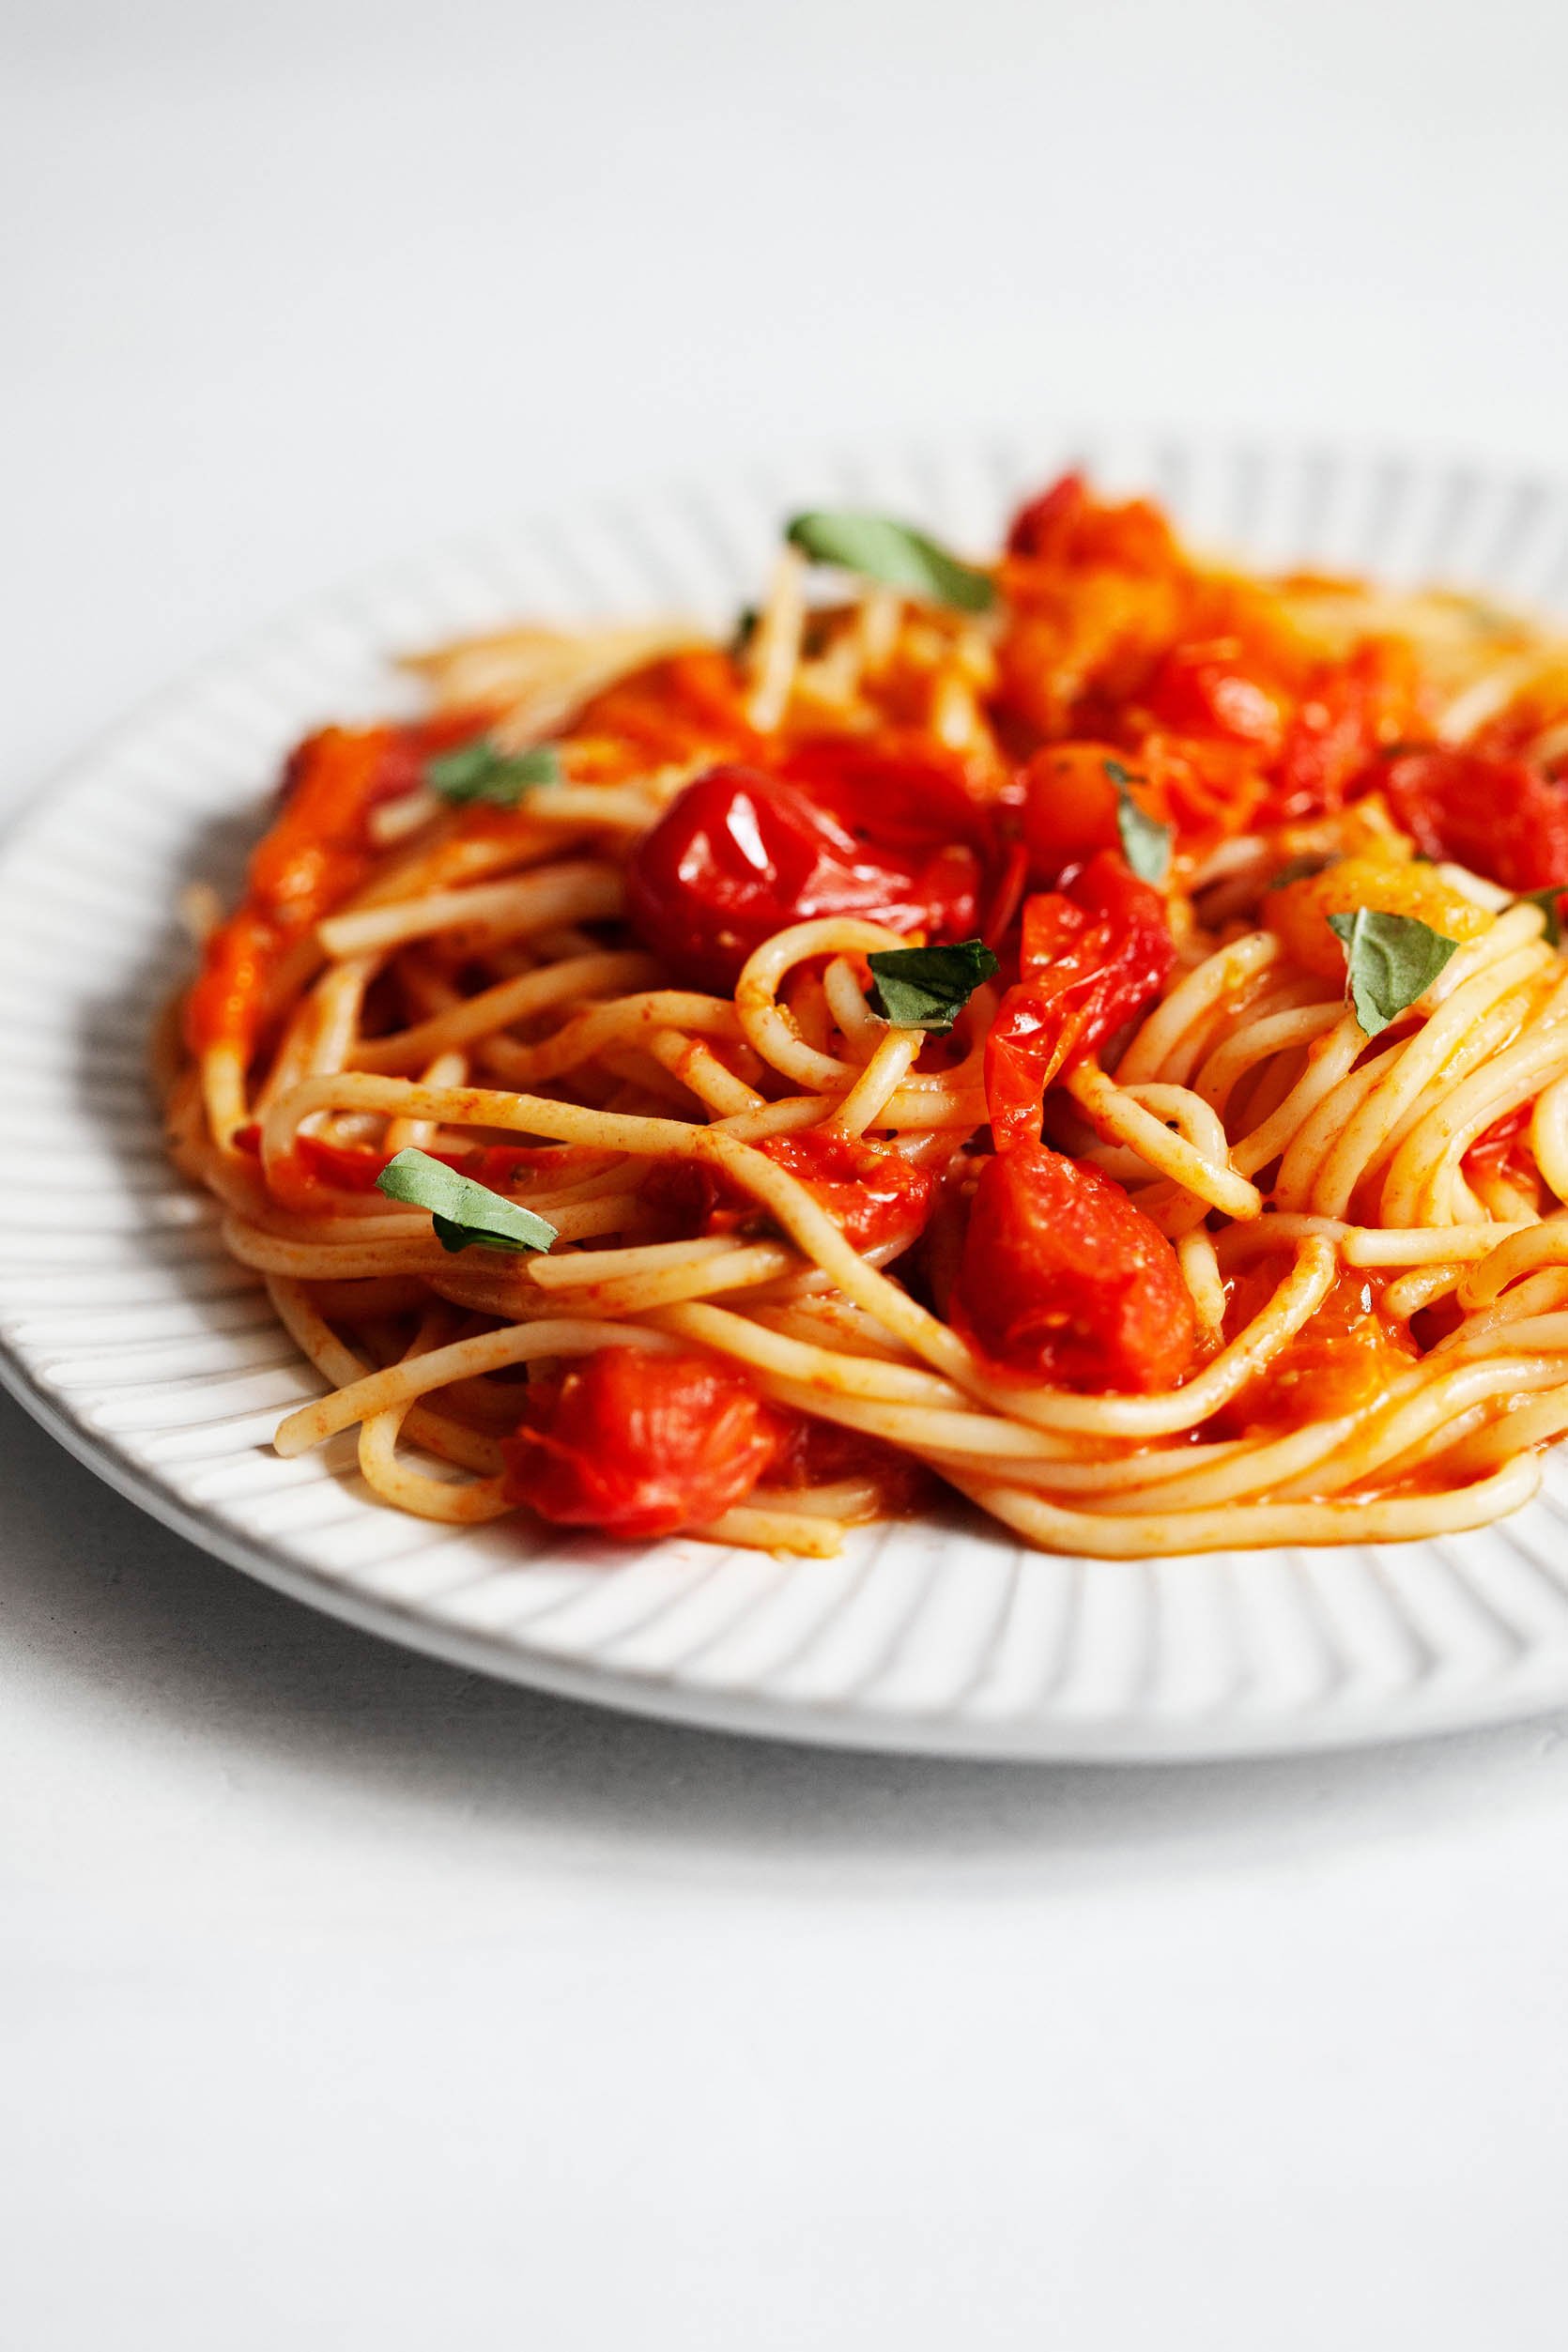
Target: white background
346,2000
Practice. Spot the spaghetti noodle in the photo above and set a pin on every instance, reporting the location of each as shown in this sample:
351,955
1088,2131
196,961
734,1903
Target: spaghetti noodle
1086,1030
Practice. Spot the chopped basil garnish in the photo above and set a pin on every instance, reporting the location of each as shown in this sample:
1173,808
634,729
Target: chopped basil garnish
894,554
1145,842
461,1211
481,770
1550,904
927,988
1392,960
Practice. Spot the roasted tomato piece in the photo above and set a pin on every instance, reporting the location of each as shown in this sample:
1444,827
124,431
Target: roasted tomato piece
1061,1278
900,793
742,854
1042,530
639,1444
1203,788
1070,803
684,707
1066,526
1500,818
1206,689
1346,1356
823,1454
354,1167
872,1193
1092,958
1077,646
314,854
1346,714
1503,1156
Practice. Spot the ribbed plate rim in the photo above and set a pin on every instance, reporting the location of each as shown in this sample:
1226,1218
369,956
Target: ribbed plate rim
1538,1682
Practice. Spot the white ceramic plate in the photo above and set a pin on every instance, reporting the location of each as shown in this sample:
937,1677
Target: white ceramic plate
125,1329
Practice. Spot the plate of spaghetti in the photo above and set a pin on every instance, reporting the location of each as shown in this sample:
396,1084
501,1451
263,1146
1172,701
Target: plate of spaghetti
926,1106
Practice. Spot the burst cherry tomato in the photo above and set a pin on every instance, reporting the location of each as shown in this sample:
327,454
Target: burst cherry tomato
1206,689
1499,816
1065,526
1063,1279
1092,957
1042,530
874,1195
742,854
1347,1354
1347,712
315,852
1070,803
639,1444
902,792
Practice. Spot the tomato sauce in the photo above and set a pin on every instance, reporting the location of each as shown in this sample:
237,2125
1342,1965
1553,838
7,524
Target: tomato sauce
317,853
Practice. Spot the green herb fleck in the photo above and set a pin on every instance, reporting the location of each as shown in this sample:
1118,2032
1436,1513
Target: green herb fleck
461,1211
1145,842
1391,960
1550,904
895,554
927,988
482,771
1299,870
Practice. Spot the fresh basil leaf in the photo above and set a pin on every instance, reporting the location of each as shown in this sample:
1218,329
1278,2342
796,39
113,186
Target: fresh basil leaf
1391,960
893,553
746,623
461,1211
1145,842
927,988
481,770
1550,904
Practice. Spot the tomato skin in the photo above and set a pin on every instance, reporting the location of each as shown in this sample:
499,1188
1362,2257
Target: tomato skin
1499,816
1065,526
1062,1280
1345,1356
678,709
873,1194
354,1167
816,1453
1042,529
315,852
740,855
1204,787
901,791
1503,1150
1347,712
1092,957
639,1444
1070,804
1205,690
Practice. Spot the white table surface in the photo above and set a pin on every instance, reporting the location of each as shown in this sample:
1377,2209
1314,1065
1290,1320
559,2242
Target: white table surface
347,2000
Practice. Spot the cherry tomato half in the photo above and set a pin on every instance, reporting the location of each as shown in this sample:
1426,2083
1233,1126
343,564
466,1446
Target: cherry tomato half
1061,1278
742,854
874,1195
639,1444
1499,816
1092,957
